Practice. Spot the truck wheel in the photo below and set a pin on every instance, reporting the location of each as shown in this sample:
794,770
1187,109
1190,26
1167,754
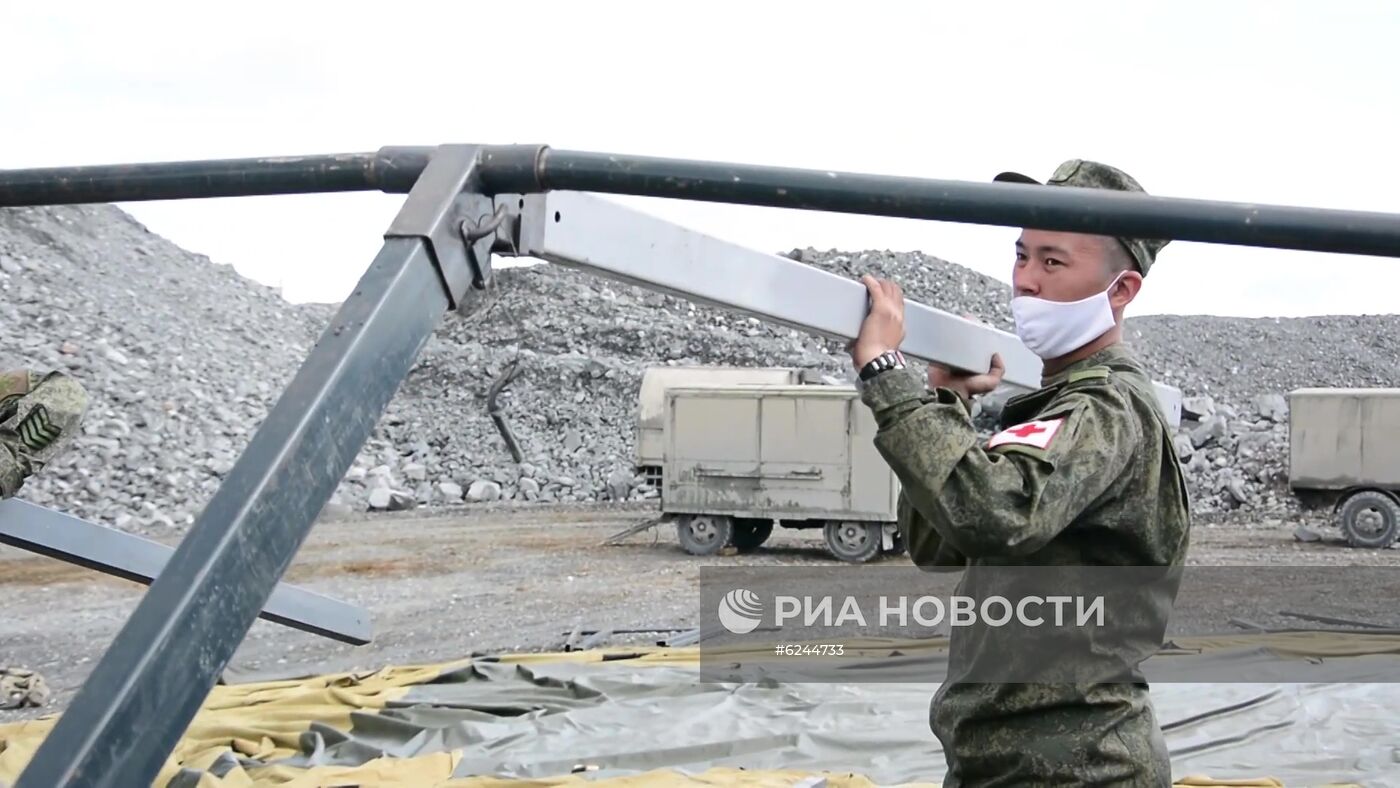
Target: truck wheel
1370,518
853,542
749,533
704,534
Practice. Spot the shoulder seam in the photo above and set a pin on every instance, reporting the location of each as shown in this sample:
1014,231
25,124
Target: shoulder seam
1111,393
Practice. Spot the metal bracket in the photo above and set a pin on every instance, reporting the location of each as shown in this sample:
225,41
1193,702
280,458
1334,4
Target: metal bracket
506,225
456,223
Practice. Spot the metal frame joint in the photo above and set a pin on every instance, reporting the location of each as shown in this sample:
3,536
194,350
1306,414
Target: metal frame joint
456,222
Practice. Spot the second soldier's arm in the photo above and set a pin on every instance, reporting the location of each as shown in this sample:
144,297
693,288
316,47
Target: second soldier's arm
1005,501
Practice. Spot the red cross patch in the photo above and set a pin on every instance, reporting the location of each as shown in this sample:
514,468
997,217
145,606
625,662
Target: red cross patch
1032,433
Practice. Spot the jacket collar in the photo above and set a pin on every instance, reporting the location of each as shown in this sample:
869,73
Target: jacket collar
1113,355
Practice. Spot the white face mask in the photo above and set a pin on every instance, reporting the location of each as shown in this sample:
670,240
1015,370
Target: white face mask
1053,328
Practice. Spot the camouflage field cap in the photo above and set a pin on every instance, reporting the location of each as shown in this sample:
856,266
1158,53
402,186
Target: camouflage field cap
1094,175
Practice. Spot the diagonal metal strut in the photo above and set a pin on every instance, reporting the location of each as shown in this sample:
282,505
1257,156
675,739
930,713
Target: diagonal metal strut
143,693
77,541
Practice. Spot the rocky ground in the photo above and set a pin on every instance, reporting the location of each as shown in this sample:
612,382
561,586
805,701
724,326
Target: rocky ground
501,577
184,359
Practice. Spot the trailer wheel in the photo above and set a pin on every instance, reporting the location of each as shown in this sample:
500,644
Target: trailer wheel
704,534
750,533
853,542
1370,518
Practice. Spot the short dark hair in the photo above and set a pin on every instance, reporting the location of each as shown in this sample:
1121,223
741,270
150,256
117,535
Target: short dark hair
1117,257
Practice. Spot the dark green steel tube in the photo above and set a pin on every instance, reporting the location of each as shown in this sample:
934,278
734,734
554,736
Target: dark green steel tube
527,169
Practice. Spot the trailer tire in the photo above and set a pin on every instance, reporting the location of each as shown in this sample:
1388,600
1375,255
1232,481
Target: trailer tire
751,532
1370,518
853,542
704,534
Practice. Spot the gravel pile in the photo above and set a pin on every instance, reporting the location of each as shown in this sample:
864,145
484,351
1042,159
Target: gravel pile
184,358
578,345
1236,373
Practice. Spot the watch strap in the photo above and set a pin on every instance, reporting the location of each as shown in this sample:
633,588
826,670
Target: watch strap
890,359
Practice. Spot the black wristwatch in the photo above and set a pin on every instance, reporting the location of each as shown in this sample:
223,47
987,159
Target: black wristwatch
890,359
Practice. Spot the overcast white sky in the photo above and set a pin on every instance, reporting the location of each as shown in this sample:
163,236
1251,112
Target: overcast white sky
1291,103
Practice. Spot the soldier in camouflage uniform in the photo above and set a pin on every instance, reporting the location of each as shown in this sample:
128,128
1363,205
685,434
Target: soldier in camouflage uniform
1083,473
39,416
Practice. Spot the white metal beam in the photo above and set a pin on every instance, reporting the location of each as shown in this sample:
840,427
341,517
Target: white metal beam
587,232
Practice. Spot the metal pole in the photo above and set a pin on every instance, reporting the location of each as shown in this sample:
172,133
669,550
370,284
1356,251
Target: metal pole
528,169
1094,211
79,542
597,235
395,170
143,693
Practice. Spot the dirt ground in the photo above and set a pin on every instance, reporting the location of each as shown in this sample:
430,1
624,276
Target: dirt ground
441,587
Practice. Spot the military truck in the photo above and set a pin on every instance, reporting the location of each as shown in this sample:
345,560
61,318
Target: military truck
736,451
651,403
1344,450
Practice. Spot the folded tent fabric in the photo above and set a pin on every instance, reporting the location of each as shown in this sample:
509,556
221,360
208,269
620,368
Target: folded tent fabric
447,724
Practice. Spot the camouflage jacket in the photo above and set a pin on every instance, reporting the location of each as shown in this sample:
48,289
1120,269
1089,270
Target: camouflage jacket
39,416
14,384
1084,473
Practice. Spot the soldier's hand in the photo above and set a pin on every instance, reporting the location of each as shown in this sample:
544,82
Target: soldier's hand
883,327
967,385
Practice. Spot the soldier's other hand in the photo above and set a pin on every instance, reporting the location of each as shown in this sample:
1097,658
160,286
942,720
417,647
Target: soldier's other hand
966,384
883,327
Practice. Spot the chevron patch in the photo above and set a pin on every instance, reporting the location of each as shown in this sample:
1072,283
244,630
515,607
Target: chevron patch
35,431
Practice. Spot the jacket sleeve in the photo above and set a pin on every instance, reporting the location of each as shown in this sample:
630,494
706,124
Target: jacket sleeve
926,545
1012,499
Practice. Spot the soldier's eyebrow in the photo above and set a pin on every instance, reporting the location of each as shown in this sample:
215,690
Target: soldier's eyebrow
1044,249
1051,249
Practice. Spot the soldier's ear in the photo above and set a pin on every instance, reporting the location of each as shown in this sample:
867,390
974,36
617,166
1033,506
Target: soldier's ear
1124,290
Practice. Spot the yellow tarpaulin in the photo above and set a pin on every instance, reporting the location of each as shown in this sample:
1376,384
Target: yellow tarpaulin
265,722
